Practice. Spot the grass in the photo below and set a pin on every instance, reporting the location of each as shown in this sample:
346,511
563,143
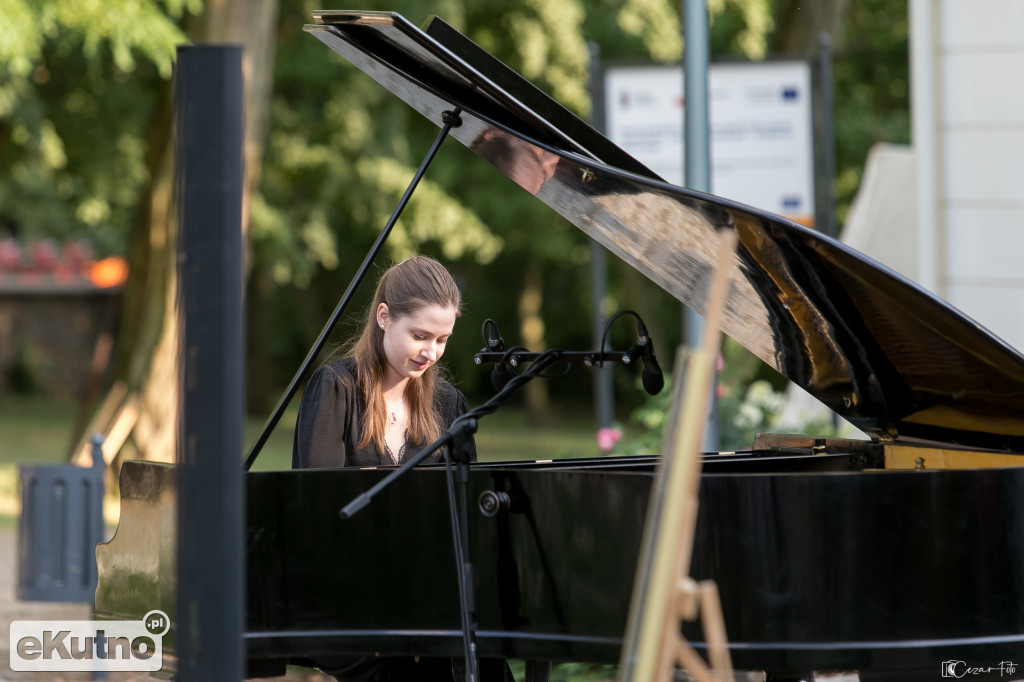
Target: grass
35,430
509,435
38,431
505,435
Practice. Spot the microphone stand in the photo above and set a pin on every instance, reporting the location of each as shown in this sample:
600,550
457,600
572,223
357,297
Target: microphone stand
459,439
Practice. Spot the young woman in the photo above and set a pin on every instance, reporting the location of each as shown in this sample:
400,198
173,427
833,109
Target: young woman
381,404
384,400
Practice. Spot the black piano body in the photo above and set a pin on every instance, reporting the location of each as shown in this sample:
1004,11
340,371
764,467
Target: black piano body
825,561
887,556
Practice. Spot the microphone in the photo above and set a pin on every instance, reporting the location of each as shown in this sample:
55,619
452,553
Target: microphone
501,375
651,377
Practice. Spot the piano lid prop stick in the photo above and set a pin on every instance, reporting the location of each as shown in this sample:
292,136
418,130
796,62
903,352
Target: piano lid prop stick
654,642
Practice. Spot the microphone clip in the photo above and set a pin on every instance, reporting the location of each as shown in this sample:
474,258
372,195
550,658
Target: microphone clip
651,376
493,343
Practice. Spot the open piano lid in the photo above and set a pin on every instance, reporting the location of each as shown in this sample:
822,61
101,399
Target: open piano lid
893,359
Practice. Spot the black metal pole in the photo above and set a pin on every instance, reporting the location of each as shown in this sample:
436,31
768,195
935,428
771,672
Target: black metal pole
825,195
459,516
828,150
208,133
604,403
697,132
451,120
456,439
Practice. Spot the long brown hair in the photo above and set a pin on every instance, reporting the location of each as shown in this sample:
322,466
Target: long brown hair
407,287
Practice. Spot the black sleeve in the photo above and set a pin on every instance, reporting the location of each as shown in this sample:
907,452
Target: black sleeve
461,404
322,423
452,404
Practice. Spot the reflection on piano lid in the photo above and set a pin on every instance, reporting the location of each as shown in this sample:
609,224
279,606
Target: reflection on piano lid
893,359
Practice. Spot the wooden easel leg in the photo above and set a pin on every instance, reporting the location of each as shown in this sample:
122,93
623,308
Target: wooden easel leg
714,627
657,645
691,662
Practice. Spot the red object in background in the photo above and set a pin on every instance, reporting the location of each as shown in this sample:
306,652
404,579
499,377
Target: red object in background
10,254
44,255
45,263
76,255
109,272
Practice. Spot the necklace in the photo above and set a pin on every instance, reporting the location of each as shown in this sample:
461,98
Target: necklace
393,413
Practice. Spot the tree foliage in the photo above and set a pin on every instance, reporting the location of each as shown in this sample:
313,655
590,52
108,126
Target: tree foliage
341,150
77,84
872,88
80,84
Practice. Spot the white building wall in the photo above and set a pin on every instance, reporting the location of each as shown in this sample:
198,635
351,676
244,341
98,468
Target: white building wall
967,71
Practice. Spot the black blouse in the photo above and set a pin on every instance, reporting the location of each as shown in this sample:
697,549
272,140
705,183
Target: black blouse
330,418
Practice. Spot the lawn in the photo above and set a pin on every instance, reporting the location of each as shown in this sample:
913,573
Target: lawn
505,435
35,429
38,431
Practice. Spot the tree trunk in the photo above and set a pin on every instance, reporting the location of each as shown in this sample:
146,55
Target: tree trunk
149,331
800,24
531,330
149,362
252,24
261,383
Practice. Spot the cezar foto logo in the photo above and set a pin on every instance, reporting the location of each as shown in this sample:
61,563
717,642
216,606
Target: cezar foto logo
89,645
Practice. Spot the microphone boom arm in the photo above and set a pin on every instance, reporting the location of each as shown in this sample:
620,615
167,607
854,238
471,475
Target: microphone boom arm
494,351
459,440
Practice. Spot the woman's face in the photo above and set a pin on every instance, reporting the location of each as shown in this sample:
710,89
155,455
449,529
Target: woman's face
415,342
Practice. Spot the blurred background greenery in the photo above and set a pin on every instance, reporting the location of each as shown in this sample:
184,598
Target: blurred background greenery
85,151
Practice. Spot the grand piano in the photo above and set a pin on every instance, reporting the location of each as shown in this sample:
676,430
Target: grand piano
887,556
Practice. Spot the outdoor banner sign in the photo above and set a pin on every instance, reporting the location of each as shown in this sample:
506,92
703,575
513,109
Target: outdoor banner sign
761,123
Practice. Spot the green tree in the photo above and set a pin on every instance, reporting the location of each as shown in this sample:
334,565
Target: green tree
342,148
80,92
872,89
67,70
85,121
85,100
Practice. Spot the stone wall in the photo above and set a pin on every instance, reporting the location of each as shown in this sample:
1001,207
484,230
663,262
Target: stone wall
47,339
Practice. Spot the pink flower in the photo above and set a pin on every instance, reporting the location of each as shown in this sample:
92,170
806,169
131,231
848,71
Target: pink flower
607,438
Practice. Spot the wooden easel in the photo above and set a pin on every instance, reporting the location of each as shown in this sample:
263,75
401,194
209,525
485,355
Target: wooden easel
664,593
115,419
